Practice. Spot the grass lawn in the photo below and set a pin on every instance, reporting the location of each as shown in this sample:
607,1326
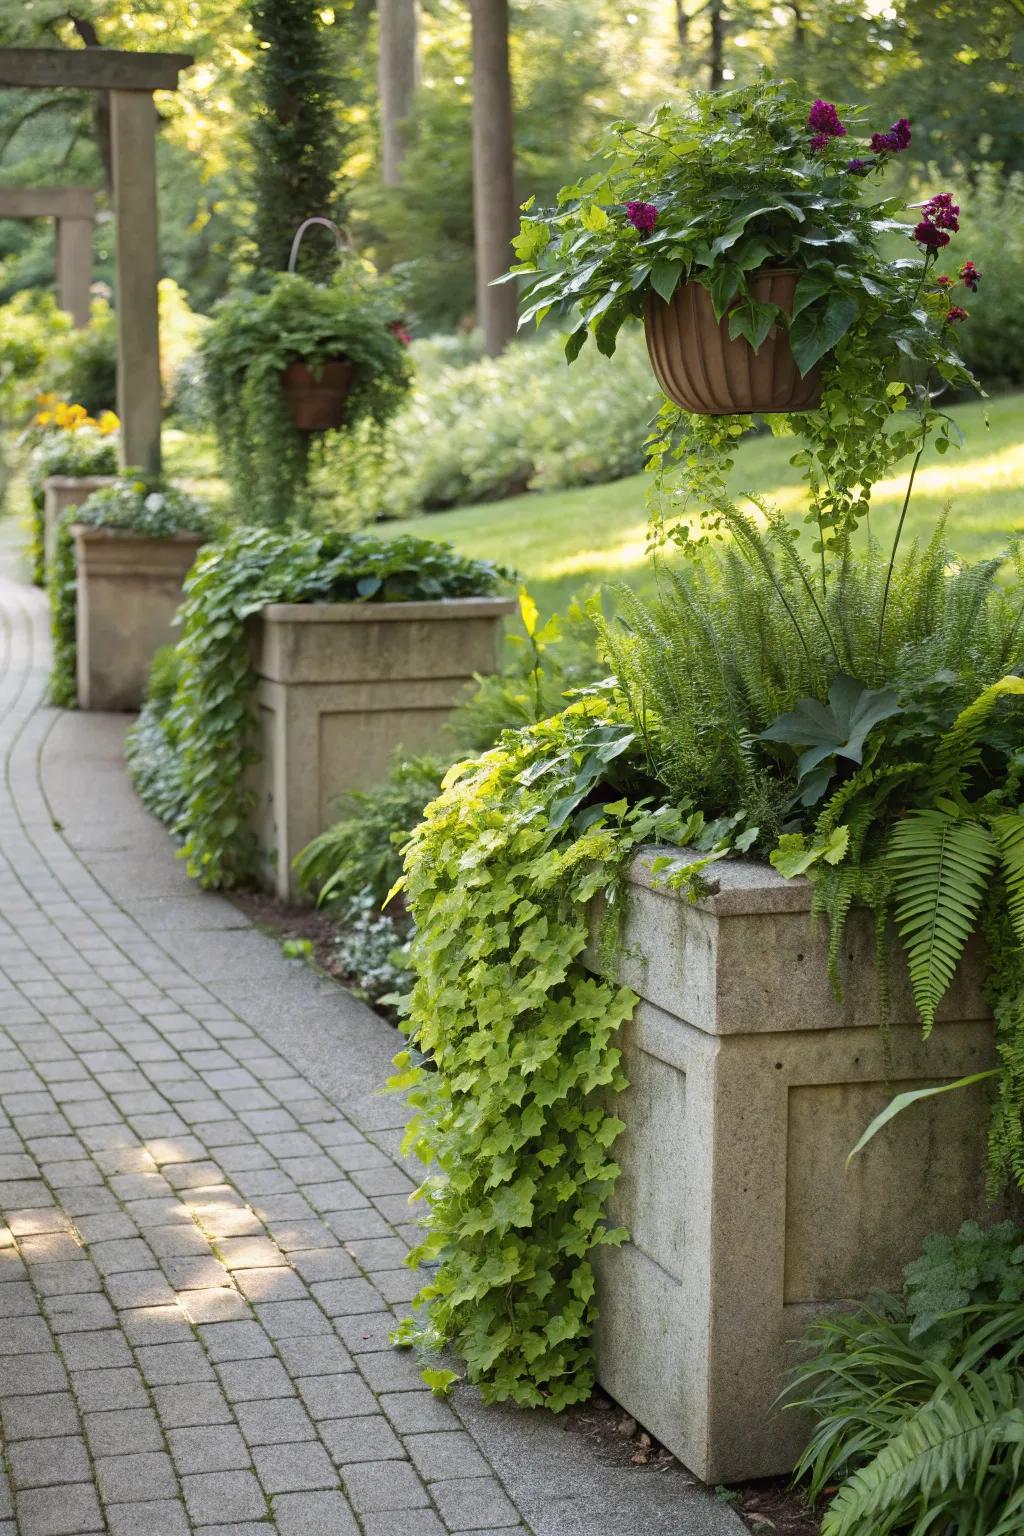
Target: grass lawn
571,540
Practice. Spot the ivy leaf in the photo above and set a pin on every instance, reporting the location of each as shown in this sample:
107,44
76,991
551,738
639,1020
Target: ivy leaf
753,320
665,277
594,218
723,284
810,287
817,330
439,1381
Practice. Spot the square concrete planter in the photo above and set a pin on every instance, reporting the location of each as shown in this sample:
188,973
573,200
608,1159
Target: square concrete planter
61,492
129,590
340,687
749,1084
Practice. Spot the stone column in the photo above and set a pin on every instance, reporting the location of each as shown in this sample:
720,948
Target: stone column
74,267
133,147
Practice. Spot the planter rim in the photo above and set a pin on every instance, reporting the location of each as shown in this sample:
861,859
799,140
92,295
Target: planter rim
736,887
376,613
62,482
129,536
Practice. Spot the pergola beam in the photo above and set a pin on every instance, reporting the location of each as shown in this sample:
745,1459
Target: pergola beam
47,203
90,69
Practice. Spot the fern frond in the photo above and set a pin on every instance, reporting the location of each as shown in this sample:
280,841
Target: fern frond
951,1445
958,749
939,866
1009,831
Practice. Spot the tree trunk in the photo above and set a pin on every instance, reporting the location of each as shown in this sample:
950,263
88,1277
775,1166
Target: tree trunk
716,51
397,76
494,191
683,36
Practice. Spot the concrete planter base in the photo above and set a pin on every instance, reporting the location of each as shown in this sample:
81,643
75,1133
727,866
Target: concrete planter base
129,590
340,687
749,1084
61,492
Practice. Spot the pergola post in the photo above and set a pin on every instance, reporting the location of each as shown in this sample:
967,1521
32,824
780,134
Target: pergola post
131,79
74,267
133,154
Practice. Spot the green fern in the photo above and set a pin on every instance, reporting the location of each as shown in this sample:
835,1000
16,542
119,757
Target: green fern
940,865
1009,831
957,1456
959,749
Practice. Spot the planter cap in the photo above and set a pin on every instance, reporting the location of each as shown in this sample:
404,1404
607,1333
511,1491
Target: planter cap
377,613
735,887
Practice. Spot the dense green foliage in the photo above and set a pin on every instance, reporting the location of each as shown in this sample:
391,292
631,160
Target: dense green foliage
245,350
919,1401
133,504
993,340
510,1116
210,723
295,131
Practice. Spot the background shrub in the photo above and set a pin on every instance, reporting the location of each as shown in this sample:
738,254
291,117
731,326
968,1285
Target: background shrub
992,341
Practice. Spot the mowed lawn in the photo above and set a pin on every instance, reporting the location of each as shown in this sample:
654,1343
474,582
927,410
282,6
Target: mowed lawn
569,541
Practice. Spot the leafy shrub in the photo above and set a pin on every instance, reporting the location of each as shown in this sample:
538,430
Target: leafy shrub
134,504
498,426
251,340
919,1402
993,340
84,366
152,748
210,720
31,326
373,950
68,442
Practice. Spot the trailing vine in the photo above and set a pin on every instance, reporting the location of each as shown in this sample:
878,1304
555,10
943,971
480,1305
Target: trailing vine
211,720
511,1116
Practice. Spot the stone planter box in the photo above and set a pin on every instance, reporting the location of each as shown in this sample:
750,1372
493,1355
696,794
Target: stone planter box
129,590
749,1085
61,492
340,687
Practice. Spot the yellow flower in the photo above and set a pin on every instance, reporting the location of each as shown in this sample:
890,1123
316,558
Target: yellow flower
46,401
108,423
71,417
42,418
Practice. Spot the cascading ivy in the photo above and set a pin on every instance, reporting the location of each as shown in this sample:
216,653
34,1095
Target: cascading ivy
210,722
511,1114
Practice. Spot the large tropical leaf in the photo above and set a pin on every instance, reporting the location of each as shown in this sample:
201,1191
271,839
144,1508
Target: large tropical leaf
940,864
839,727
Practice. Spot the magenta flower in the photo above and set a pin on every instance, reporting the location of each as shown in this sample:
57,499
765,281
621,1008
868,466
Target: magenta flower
970,276
942,211
928,235
943,282
820,141
642,216
956,314
858,167
895,141
823,119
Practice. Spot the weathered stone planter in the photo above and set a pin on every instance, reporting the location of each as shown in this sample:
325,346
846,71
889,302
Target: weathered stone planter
129,590
61,492
340,686
749,1084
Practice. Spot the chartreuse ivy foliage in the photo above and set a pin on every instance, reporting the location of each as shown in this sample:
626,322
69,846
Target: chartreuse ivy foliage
919,1400
209,725
134,503
511,1115
252,339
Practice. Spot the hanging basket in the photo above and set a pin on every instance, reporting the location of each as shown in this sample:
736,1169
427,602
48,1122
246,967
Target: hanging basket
317,397
702,369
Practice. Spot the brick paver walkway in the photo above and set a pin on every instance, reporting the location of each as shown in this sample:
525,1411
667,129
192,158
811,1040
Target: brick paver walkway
203,1212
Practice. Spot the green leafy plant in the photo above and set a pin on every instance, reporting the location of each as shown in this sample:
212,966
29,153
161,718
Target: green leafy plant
510,1115
210,719
251,340
919,1401
134,503
84,450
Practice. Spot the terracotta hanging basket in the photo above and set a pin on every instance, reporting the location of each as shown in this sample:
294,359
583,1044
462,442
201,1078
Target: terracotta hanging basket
703,370
317,397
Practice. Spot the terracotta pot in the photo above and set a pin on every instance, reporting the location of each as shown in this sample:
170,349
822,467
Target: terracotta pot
701,369
317,397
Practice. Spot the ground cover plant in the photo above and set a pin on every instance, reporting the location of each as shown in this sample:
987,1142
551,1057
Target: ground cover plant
207,727
134,503
849,709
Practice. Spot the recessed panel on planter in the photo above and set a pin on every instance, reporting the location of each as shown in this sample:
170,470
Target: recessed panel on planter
851,1230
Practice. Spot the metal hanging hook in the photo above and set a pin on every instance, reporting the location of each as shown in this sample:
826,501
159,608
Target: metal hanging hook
341,237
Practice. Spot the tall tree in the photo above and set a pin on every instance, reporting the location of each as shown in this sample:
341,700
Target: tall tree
494,190
397,75
295,133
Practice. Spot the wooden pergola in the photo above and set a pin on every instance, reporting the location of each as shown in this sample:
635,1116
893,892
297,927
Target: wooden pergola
130,79
73,211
